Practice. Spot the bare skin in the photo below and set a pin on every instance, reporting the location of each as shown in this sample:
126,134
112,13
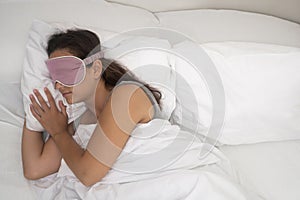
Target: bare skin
116,112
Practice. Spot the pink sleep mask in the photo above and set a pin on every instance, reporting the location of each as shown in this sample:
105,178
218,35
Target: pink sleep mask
69,70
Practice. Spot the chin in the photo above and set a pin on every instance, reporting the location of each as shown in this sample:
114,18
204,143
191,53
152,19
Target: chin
70,101
73,100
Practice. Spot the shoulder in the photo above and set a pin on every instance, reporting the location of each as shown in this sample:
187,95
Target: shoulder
132,99
125,108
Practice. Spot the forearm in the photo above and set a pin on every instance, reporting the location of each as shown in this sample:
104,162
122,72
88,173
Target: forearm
32,147
39,159
72,153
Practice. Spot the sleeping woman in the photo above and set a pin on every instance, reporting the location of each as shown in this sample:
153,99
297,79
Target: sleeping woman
115,99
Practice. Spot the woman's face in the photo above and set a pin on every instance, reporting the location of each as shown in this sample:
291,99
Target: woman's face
76,93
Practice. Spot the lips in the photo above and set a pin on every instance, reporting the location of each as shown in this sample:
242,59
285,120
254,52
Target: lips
66,93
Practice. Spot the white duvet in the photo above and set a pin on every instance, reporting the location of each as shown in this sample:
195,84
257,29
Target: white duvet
159,161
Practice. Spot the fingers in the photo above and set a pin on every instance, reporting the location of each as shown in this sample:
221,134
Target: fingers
63,108
50,98
35,106
42,107
41,100
34,113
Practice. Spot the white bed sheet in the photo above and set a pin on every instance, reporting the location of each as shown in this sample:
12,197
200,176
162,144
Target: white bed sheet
13,185
211,178
271,169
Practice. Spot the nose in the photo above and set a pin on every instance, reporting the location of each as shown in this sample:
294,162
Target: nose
58,85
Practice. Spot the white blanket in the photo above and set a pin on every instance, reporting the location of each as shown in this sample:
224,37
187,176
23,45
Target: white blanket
159,161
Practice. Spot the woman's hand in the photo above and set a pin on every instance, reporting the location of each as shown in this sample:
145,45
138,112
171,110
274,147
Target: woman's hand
54,121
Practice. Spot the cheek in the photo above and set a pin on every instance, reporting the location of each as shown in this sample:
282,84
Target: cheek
85,89
81,91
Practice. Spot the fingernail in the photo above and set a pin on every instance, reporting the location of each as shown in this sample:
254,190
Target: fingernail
45,88
35,91
30,96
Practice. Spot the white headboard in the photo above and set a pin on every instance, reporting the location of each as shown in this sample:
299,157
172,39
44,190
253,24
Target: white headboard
286,9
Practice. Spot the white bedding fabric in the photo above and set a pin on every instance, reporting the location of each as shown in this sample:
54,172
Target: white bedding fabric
271,169
189,185
260,83
131,178
262,95
12,182
11,107
288,9
209,25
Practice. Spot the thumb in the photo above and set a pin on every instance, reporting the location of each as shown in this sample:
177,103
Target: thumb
63,108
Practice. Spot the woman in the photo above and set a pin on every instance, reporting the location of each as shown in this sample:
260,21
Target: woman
115,100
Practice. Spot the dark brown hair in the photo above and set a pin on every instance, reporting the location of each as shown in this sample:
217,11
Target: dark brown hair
82,43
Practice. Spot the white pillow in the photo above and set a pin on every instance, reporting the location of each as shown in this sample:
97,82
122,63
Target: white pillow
262,97
193,111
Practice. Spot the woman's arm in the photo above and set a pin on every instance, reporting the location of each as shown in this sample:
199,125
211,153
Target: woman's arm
39,158
120,115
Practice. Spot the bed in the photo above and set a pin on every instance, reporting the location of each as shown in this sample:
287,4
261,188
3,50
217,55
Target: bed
254,47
